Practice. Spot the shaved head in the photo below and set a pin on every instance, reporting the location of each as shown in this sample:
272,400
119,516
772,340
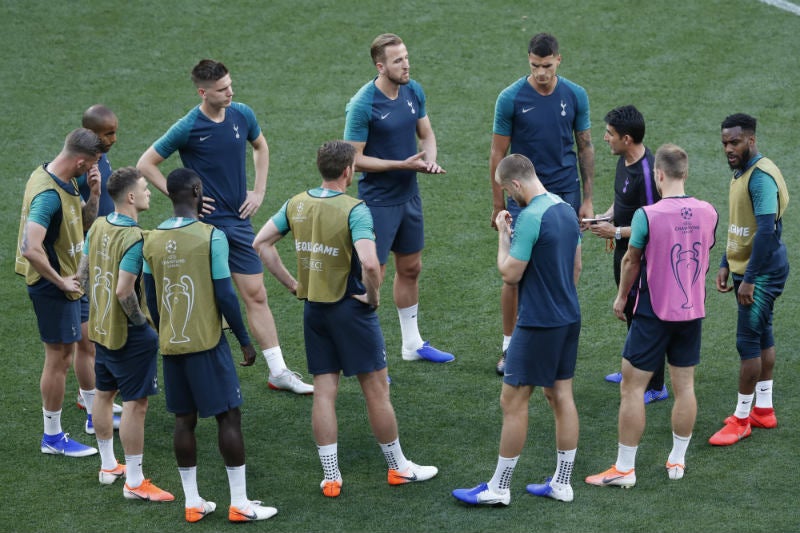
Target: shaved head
97,116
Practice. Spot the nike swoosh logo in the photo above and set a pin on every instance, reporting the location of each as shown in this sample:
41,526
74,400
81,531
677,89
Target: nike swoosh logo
763,390
526,109
412,477
204,138
386,115
252,516
607,480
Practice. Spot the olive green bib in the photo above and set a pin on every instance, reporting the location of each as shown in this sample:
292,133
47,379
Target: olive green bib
323,243
68,245
742,224
108,323
180,260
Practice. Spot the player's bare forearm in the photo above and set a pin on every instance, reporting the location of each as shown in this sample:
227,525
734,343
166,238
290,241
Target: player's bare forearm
89,211
586,163
261,165
83,273
630,268
132,309
148,166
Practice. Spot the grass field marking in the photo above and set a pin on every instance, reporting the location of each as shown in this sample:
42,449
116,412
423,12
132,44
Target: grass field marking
783,4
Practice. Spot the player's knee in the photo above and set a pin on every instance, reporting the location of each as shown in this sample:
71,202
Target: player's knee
410,271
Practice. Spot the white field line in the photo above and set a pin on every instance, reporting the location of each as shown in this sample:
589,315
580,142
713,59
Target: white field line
783,4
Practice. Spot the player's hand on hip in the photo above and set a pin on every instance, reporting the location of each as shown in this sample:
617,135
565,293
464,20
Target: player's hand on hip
70,284
208,206
251,204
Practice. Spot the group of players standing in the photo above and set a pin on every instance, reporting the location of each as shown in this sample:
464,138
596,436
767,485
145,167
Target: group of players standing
189,264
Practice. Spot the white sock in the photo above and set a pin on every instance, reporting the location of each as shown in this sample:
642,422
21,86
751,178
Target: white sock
52,422
412,341
506,342
329,457
238,485
679,447
626,457
88,399
393,453
764,394
501,480
108,460
133,470
743,405
275,361
564,465
189,482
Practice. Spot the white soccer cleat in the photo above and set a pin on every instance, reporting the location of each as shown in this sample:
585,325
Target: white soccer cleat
289,381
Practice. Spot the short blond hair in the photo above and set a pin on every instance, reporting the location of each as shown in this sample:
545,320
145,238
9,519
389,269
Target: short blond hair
379,44
673,160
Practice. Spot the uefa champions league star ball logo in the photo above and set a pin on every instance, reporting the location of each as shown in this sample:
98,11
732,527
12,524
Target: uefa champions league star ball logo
686,213
171,247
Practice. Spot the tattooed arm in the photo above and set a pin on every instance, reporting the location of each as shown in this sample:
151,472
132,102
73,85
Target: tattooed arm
126,294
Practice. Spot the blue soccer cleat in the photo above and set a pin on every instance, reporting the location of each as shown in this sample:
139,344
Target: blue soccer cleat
428,353
654,395
61,444
482,495
558,492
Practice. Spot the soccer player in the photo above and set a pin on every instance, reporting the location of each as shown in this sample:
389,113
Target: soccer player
339,279
634,187
542,116
668,254
189,289
383,122
758,260
543,258
49,248
212,140
126,345
101,120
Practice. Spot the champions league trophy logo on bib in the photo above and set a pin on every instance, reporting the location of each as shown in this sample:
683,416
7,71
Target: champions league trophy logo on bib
178,298
686,269
101,297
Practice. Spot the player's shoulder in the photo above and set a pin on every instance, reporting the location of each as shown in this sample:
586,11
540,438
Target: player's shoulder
414,85
242,108
514,87
364,93
571,86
